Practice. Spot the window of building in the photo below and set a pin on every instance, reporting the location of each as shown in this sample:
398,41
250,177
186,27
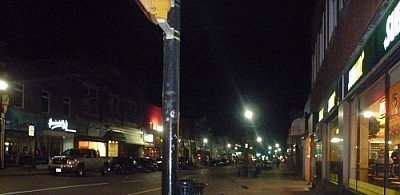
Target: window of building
45,101
18,96
67,106
333,7
367,139
342,4
91,99
318,159
335,152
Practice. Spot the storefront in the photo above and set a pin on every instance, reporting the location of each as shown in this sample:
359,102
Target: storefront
109,140
56,137
19,143
360,117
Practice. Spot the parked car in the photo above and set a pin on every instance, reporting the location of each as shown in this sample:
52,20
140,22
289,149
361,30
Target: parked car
79,161
144,164
159,163
122,164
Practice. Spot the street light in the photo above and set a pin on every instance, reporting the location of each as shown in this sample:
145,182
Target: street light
4,104
248,114
205,140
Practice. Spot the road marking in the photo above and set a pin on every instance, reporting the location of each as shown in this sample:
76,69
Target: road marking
132,181
142,192
55,188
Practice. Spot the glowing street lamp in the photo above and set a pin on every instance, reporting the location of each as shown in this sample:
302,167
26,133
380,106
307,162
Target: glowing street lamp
4,101
248,114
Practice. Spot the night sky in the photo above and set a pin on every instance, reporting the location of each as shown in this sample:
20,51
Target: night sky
233,53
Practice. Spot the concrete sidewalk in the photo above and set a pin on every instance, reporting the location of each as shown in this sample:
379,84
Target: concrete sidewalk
40,169
283,181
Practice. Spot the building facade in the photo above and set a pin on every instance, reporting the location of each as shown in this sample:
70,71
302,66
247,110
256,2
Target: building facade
74,106
353,115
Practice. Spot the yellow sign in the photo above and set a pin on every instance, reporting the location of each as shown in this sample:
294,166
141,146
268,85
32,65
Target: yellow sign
155,9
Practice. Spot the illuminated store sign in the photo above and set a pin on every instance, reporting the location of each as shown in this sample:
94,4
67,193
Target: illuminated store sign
63,124
149,138
356,71
332,101
392,26
384,37
321,114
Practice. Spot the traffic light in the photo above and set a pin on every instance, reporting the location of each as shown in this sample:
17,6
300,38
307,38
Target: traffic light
155,9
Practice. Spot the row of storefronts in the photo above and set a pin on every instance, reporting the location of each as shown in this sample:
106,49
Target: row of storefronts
32,136
353,138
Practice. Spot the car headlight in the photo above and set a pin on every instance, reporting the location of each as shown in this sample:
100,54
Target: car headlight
71,161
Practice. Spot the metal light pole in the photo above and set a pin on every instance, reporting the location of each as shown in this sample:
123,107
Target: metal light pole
166,14
170,97
4,105
248,114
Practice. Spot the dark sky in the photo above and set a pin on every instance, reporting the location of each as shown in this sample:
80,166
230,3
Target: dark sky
233,53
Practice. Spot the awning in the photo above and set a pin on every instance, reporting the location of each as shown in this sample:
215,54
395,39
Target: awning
115,136
19,120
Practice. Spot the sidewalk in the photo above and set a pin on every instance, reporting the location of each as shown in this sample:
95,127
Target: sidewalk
282,181
276,181
41,169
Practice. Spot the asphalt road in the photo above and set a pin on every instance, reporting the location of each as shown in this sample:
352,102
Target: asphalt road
219,180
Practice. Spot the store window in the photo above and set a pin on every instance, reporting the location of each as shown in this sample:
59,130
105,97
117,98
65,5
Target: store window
367,140
99,146
318,160
394,130
335,152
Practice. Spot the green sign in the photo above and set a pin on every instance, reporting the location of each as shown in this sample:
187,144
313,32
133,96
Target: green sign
381,41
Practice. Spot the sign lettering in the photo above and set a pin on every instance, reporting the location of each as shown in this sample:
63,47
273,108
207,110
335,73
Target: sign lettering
392,26
63,124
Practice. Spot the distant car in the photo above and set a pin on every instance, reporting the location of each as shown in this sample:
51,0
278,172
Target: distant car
183,163
159,163
225,161
216,163
266,165
144,164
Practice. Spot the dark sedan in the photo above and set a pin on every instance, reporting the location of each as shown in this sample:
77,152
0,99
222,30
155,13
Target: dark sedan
144,164
159,162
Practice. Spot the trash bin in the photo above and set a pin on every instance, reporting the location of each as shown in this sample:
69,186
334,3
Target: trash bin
187,186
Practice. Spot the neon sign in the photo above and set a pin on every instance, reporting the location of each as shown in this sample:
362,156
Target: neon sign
63,124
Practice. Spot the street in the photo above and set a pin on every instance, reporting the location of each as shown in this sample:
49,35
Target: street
219,180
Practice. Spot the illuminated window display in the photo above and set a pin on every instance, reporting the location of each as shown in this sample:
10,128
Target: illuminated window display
335,151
